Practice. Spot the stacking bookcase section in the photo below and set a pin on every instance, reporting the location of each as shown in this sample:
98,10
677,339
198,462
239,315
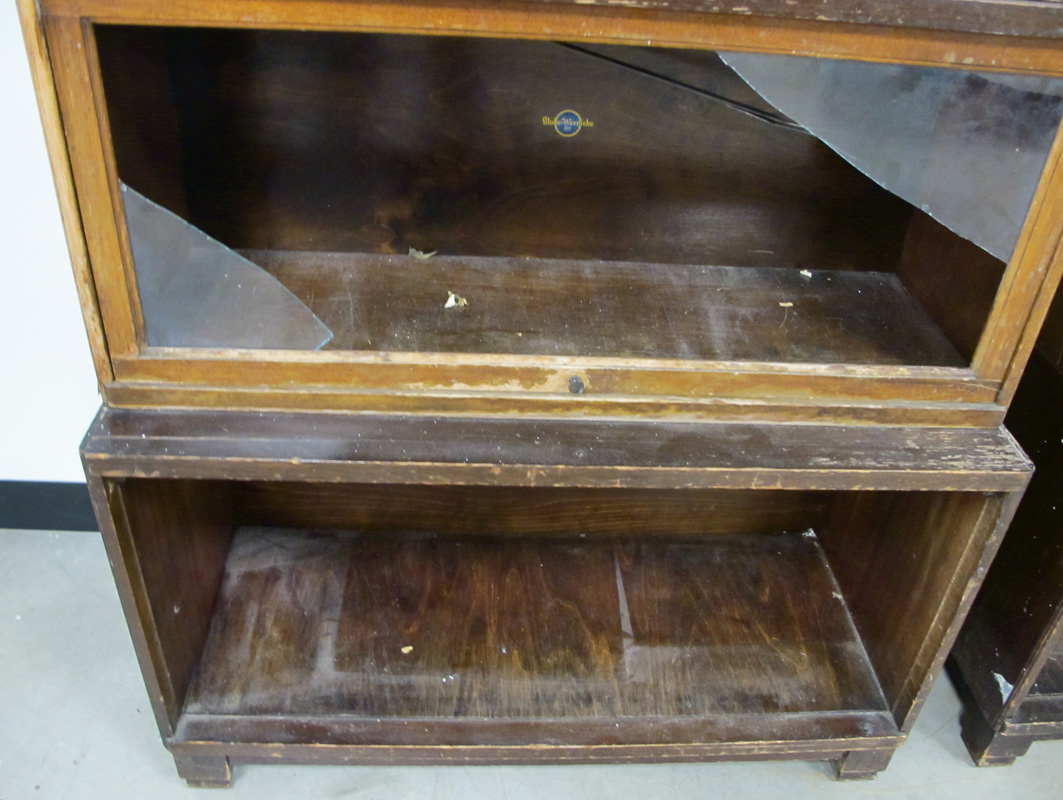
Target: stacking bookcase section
345,213
1008,660
405,590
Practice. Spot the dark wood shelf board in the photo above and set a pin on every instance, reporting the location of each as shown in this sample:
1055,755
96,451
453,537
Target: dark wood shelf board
409,449
531,306
417,639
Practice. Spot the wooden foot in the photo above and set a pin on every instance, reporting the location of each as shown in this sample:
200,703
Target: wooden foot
988,746
206,772
861,765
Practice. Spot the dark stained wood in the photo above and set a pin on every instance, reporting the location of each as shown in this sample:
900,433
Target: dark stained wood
633,641
891,554
954,280
204,771
146,138
348,142
862,764
1038,19
1007,662
530,452
525,511
470,631
1026,19
613,309
177,535
1050,678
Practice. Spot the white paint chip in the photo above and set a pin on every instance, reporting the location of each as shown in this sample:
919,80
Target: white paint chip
455,301
1003,685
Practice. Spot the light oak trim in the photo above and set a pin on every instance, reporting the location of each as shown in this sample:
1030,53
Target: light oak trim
70,58
603,378
1033,272
524,404
55,140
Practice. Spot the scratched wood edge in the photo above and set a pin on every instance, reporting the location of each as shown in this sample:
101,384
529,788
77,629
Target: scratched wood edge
602,24
134,600
267,753
110,167
362,371
213,457
1028,285
994,352
62,177
952,611
64,37
1040,308
516,404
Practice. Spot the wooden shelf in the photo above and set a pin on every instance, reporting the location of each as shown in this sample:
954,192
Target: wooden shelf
484,640
612,309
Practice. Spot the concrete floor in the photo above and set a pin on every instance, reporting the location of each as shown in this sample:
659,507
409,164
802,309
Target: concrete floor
74,723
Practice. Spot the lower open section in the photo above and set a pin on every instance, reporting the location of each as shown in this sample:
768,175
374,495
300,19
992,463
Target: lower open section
314,619
416,639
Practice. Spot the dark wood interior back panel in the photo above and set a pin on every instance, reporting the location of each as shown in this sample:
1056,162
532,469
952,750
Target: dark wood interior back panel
146,132
905,562
374,143
953,279
181,531
527,510
452,630
618,309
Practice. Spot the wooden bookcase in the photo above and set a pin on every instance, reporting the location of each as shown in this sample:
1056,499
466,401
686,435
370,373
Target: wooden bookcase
515,382
404,590
1008,659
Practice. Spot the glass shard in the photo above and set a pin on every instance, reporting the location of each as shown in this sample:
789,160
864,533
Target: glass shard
196,292
967,148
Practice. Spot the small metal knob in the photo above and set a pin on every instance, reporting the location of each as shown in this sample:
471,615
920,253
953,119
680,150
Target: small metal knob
575,384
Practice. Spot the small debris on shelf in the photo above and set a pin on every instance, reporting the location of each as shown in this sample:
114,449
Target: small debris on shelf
786,305
455,301
807,273
421,255
407,649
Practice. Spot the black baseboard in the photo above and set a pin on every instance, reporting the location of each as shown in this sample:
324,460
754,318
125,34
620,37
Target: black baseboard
36,505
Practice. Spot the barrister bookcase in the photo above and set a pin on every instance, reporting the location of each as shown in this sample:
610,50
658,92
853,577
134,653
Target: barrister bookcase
551,381
1008,660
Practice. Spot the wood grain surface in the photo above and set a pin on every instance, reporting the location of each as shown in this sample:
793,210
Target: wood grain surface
348,142
529,452
419,626
589,308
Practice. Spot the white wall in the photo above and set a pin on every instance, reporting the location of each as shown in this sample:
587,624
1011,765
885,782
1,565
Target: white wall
48,390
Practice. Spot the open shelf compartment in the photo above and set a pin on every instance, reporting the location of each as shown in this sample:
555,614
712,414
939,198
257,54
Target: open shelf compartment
417,639
358,587
682,218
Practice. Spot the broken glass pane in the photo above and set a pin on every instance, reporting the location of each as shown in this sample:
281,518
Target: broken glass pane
196,292
967,148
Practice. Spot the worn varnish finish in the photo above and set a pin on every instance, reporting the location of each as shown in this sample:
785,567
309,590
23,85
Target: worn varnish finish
640,585
530,452
815,213
583,308
467,631
295,141
1006,662
462,546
